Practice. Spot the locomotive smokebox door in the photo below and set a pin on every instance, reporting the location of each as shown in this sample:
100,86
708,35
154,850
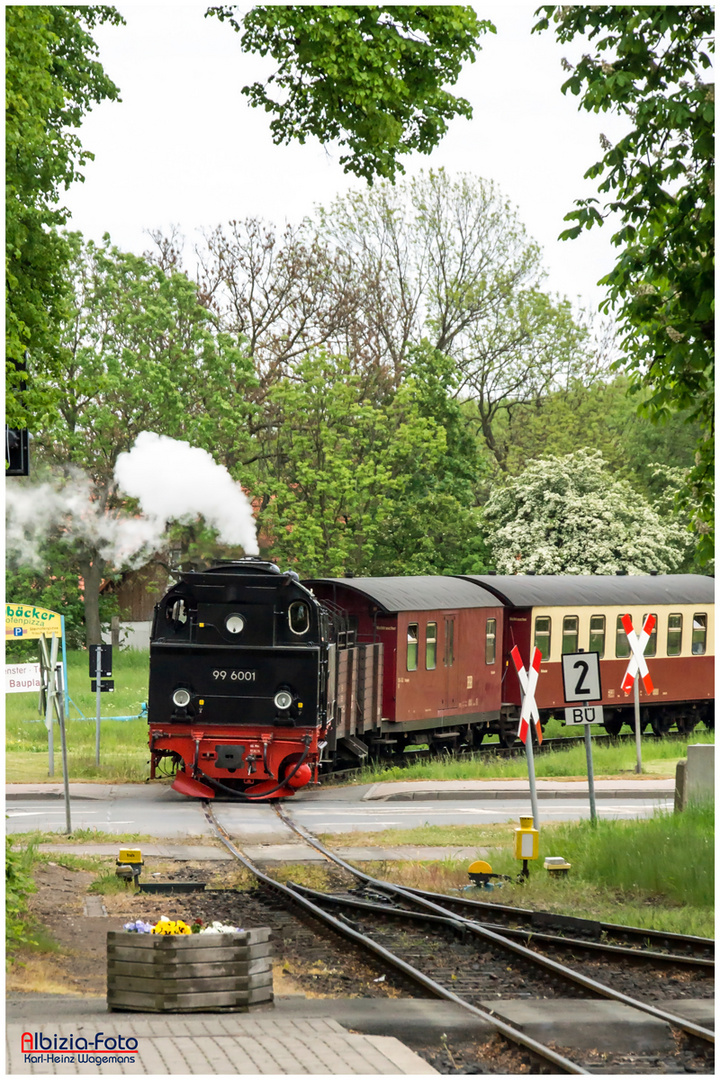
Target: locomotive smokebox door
229,757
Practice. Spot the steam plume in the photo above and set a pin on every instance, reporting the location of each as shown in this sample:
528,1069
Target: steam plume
174,481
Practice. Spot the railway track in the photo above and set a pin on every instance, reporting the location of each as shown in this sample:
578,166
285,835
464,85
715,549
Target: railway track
451,955
678,948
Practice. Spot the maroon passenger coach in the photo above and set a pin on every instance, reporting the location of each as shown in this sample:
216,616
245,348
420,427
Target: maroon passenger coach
422,662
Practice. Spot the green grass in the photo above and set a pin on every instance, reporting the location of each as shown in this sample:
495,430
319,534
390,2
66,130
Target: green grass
93,863
123,743
84,836
108,883
658,758
656,873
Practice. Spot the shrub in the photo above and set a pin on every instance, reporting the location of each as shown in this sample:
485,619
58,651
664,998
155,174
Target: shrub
19,884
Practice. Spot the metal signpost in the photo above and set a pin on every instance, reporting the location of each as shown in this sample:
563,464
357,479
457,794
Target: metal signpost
528,711
101,682
52,693
581,683
638,663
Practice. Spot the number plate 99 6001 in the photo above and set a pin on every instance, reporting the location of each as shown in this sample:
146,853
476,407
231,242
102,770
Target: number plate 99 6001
223,675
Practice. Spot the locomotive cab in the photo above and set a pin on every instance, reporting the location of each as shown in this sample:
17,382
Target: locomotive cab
239,658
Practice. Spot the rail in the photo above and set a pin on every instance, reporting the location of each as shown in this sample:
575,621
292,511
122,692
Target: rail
551,966
409,971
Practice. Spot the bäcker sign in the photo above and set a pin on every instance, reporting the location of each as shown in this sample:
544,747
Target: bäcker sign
25,621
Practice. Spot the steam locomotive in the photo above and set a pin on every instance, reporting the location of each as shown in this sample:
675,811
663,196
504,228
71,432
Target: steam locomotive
258,680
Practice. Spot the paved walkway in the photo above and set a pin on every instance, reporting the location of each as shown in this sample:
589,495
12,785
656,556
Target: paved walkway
298,1035
245,1044
271,853
640,787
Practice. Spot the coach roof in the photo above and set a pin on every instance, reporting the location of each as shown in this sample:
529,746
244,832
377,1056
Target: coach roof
582,590
393,594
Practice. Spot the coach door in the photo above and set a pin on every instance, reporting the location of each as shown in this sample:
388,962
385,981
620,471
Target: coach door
451,697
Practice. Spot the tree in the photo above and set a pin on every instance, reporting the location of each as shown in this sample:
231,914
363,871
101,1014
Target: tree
433,525
566,515
371,77
344,475
52,78
140,353
448,259
52,582
285,295
648,65
600,416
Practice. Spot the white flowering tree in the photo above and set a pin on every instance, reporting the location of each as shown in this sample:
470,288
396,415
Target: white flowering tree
568,515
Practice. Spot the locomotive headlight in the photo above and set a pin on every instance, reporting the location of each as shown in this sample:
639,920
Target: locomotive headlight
234,624
283,699
181,698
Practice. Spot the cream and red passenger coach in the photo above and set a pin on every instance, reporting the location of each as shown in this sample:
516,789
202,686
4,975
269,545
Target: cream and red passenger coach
566,614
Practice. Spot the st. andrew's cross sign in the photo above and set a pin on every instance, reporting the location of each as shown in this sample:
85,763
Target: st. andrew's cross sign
638,644
529,711
638,666
528,684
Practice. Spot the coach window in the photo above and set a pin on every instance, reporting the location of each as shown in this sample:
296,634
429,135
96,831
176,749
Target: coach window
431,646
622,645
674,635
699,638
597,634
570,634
490,633
449,642
412,646
651,647
542,635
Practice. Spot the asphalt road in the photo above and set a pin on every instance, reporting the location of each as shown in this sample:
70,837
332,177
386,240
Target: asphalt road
161,812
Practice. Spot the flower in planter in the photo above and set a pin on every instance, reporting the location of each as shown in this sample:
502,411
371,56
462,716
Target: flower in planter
221,928
168,926
138,927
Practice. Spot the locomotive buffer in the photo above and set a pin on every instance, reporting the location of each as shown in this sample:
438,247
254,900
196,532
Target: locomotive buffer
581,683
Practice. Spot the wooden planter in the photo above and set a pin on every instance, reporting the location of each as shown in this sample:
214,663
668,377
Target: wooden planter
188,972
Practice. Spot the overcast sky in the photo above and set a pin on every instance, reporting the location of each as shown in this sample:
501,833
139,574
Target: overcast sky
184,148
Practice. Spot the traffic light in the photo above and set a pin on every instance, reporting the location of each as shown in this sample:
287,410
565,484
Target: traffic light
17,451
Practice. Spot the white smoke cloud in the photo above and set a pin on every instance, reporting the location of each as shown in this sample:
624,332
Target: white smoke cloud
71,507
174,481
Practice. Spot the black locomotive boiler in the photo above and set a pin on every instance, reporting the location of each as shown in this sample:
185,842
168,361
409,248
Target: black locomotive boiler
240,660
